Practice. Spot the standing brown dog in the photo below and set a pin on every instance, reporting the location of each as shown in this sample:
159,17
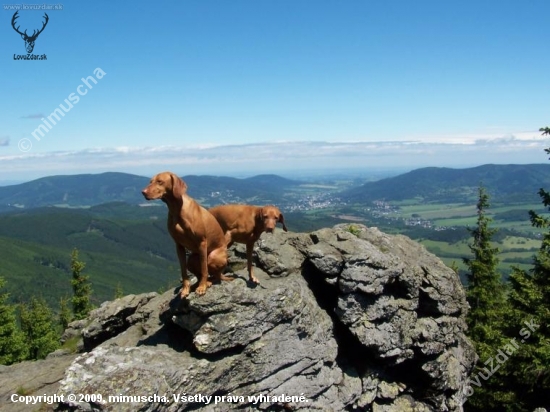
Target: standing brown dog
245,224
191,227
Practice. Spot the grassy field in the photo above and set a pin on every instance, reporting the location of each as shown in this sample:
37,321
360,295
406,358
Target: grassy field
440,212
432,211
517,241
514,251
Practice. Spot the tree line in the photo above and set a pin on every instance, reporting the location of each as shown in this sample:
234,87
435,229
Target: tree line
508,321
31,330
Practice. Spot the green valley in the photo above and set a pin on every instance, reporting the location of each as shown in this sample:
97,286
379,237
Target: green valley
125,244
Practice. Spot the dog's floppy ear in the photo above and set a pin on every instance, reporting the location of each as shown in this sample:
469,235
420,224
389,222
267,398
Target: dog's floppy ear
259,214
282,221
178,186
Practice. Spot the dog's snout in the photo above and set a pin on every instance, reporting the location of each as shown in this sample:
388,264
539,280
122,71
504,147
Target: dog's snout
145,193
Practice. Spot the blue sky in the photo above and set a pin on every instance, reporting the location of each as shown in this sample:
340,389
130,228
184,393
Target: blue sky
248,87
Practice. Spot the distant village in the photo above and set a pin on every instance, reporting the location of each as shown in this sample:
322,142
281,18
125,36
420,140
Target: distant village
384,210
301,202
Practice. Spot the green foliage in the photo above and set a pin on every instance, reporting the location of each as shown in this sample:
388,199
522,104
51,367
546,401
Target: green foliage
454,266
530,302
34,244
71,345
354,230
118,291
65,314
485,290
22,391
82,289
486,295
38,326
12,342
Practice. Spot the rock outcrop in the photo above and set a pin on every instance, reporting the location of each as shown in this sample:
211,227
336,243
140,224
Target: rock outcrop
340,321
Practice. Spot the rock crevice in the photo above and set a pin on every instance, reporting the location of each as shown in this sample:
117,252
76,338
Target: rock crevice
363,321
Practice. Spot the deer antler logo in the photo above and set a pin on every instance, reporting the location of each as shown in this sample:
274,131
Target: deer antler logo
29,40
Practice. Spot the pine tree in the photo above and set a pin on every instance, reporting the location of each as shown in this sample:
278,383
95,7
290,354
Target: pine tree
454,267
65,315
485,291
118,291
38,326
82,289
486,295
12,342
530,301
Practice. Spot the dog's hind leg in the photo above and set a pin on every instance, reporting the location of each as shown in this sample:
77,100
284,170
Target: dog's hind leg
195,267
217,261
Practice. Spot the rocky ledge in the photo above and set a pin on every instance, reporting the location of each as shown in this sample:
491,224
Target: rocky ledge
341,321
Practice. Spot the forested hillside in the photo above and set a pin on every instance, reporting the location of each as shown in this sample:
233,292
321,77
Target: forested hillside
504,183
35,249
94,189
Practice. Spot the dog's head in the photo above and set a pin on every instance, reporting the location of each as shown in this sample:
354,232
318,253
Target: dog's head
270,215
163,186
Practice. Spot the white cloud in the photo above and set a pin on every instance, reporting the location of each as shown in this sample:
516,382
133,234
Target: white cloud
456,151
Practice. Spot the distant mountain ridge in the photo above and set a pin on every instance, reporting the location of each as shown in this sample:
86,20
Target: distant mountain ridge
94,189
74,190
504,183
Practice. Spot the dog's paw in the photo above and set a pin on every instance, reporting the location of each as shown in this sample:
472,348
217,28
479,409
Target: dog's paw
201,289
185,288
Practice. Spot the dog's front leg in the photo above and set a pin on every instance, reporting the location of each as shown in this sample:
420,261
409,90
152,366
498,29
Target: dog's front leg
204,283
249,250
185,285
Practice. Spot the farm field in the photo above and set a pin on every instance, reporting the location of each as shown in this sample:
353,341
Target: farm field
514,251
443,228
459,213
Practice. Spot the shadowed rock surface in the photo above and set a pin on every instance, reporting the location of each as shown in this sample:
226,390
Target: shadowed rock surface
367,322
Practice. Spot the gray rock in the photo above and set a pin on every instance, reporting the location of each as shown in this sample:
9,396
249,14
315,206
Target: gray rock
271,340
402,304
235,315
32,378
112,318
278,253
369,322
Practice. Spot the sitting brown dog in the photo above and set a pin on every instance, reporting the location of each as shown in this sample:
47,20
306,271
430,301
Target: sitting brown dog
192,227
245,224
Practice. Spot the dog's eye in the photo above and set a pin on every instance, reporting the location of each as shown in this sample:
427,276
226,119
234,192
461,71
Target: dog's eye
159,182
